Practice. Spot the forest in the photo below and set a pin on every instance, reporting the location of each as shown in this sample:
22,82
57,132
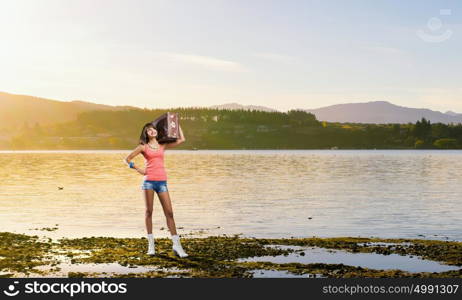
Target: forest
235,129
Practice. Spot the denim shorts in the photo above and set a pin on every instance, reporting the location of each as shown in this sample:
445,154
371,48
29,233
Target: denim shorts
157,185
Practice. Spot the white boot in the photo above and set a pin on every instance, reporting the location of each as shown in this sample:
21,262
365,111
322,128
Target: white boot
151,247
177,248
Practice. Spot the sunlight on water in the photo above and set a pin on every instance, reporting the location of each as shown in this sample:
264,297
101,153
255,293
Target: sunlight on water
262,193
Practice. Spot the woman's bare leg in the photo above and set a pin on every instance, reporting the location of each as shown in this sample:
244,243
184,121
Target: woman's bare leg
149,201
164,198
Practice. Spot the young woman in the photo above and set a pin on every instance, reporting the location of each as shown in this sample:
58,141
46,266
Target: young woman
155,179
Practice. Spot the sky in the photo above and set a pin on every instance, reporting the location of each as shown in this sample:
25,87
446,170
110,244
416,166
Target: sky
282,54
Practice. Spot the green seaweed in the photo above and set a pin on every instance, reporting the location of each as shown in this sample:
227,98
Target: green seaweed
20,253
212,257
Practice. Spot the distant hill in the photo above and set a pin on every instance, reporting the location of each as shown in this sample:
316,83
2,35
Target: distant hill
235,106
381,112
15,110
206,128
451,113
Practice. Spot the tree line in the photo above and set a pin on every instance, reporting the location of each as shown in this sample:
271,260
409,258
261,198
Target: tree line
207,128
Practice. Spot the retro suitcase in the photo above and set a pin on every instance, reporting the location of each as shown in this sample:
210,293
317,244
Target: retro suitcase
167,127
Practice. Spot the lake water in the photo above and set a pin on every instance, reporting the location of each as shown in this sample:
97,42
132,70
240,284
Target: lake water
259,193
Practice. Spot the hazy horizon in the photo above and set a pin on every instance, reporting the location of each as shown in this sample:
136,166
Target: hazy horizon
279,54
191,106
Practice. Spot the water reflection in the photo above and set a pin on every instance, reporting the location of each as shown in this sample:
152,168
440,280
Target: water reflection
258,193
365,260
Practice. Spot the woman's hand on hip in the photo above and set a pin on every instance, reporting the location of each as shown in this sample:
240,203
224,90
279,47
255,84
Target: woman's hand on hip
141,171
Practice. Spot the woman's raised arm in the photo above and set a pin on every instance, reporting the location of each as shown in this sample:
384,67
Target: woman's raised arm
179,141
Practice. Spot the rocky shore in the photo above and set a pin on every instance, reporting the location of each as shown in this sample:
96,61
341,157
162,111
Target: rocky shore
212,257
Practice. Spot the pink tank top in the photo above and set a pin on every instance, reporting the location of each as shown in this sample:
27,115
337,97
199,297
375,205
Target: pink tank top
155,169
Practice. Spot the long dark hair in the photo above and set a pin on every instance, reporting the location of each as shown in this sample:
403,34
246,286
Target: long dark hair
144,138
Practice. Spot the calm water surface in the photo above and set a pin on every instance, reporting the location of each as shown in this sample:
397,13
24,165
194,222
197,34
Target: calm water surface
259,193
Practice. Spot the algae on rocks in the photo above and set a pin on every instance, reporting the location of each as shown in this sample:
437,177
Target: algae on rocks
213,256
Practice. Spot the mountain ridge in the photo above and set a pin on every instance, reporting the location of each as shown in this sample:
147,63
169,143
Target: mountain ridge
234,105
15,110
378,112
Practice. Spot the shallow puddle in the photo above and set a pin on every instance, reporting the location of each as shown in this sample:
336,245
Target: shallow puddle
102,269
307,255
